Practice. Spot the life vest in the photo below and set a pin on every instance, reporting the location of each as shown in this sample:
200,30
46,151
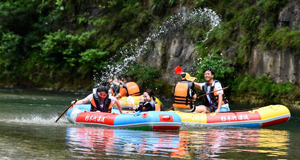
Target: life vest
183,95
132,89
213,96
146,106
153,105
157,106
114,89
96,103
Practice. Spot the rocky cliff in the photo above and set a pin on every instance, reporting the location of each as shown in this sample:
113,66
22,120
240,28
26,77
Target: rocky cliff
280,65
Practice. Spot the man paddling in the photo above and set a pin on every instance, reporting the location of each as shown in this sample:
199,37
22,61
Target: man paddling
215,101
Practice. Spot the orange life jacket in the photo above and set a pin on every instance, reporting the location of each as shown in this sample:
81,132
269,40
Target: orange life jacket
132,89
96,103
182,96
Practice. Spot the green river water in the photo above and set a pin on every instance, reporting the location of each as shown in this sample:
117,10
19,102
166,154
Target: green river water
28,131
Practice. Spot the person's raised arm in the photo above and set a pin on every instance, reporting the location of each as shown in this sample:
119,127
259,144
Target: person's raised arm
198,85
85,100
219,103
119,106
142,99
220,93
122,93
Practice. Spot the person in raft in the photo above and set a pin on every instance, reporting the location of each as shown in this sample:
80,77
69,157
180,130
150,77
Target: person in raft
185,93
147,102
216,101
100,101
114,85
129,88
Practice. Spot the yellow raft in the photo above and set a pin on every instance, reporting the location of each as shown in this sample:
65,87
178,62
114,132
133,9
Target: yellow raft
126,102
258,117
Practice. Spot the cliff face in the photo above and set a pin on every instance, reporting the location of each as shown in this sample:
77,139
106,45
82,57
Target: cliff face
169,53
172,50
281,65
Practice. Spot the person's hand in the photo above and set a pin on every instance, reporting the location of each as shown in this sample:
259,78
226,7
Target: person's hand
194,96
217,111
142,99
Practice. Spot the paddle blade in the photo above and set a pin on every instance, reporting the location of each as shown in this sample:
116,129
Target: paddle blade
178,70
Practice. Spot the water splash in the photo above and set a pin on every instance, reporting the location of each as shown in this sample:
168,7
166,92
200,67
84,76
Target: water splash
196,18
38,120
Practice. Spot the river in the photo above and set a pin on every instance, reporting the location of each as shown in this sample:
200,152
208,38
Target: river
28,131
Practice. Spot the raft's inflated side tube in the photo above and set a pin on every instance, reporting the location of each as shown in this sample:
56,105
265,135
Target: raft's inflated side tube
152,120
261,117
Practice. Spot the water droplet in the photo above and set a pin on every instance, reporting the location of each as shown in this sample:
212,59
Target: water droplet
178,22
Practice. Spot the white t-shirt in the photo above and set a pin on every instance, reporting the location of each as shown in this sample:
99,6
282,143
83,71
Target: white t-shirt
218,86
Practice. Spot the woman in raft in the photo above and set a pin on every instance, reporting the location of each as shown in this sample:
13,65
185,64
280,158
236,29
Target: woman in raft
147,102
100,101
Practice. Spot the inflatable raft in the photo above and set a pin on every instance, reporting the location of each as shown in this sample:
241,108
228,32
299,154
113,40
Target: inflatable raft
126,102
256,118
154,121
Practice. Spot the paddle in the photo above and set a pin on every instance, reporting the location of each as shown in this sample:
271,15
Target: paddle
66,110
178,70
204,95
212,92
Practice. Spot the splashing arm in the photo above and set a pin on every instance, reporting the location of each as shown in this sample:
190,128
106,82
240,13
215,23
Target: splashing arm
119,106
199,85
122,93
85,100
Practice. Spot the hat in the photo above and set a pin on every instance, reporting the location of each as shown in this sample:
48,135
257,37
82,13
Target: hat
187,76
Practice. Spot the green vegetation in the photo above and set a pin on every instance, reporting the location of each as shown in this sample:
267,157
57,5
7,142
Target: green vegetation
265,89
214,61
241,25
246,24
150,79
283,39
262,86
62,44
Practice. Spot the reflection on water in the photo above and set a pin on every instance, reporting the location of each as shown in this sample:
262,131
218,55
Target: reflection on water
274,145
218,141
102,141
28,131
204,143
